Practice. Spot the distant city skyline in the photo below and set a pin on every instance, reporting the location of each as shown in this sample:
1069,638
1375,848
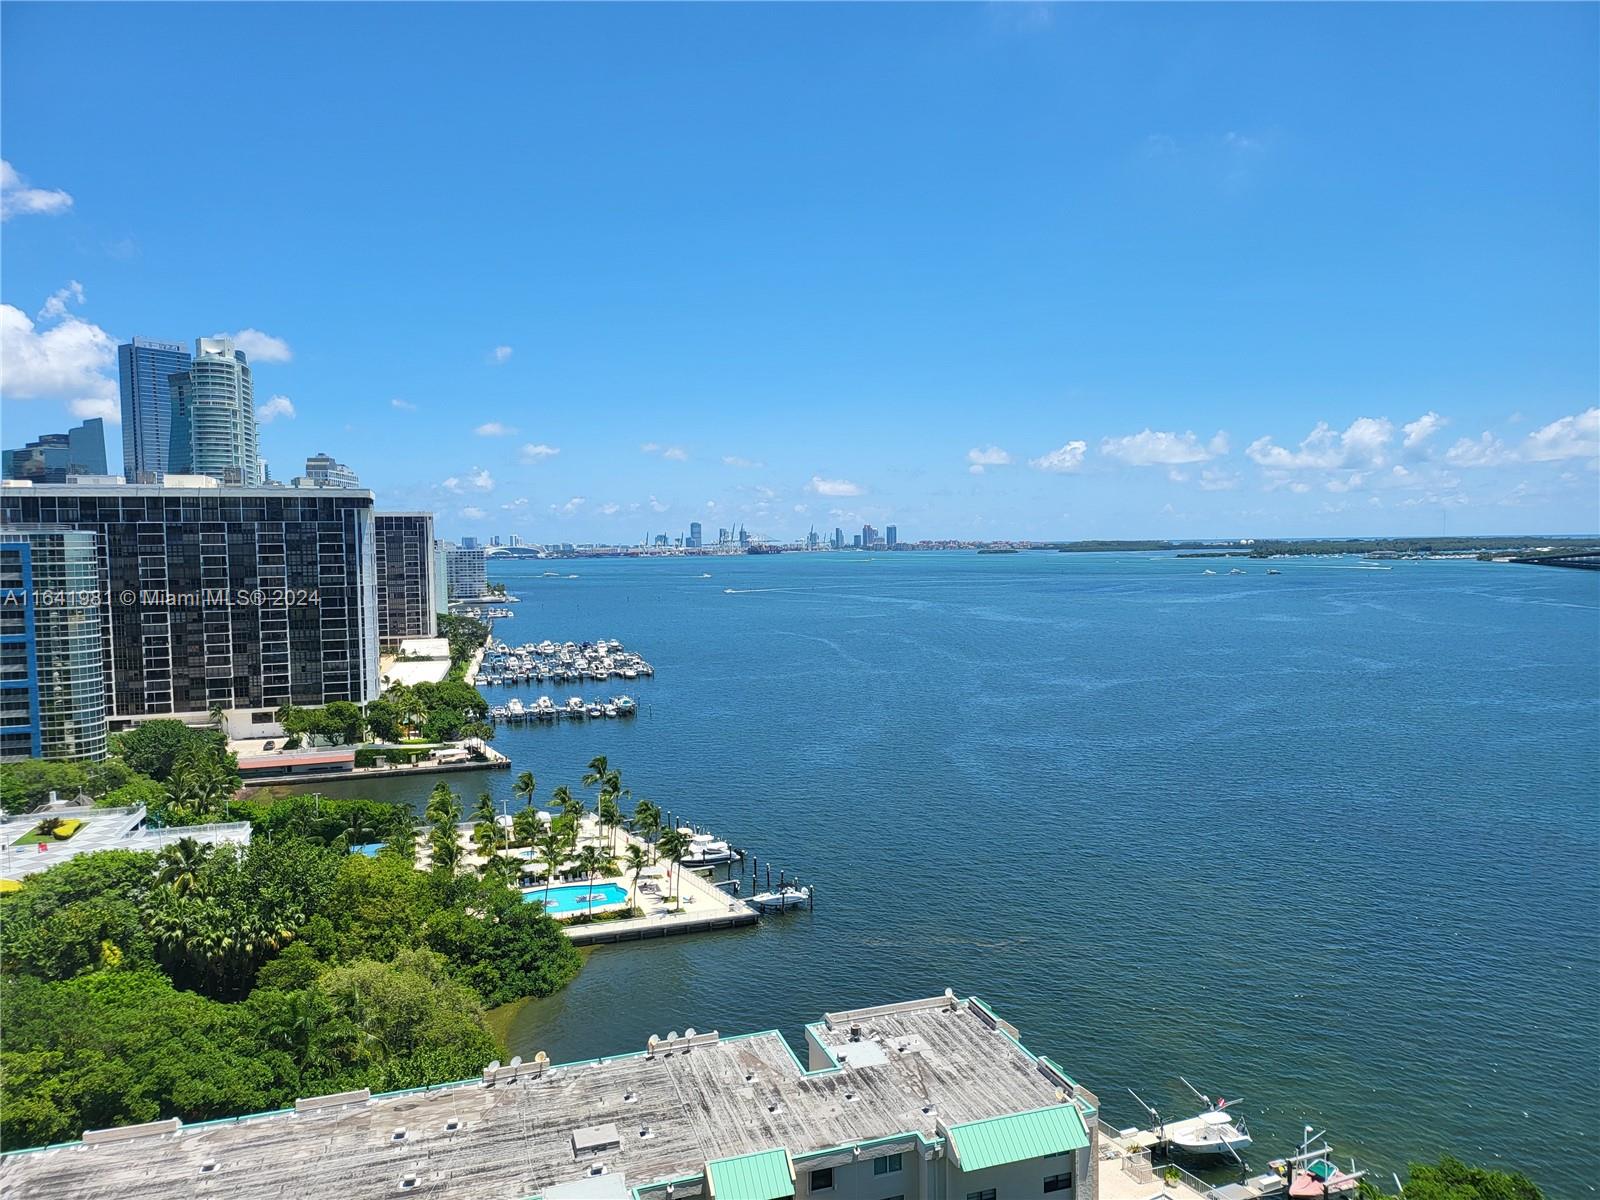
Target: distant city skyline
1075,274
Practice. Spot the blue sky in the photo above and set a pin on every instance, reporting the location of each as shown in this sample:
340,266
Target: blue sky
581,273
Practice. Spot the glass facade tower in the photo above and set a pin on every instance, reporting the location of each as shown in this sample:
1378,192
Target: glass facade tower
144,368
214,416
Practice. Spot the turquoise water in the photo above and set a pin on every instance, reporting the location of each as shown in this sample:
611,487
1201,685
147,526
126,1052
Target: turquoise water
1329,840
563,900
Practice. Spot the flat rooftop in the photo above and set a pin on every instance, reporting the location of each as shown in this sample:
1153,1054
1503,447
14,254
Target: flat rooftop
900,1070
102,829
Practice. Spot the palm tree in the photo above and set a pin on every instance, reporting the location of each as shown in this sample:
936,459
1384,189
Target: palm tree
486,829
524,787
443,803
647,820
598,769
178,865
525,826
592,861
446,849
638,859
483,810
358,831
554,843
673,845
610,818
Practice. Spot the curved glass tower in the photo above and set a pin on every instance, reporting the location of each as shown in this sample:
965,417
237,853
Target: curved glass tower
214,416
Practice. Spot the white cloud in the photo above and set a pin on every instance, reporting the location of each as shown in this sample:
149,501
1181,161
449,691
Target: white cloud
500,355
278,406
1423,428
260,347
1299,489
1571,437
658,506
519,502
480,478
1159,448
570,507
494,429
1361,445
17,199
609,509
675,453
71,360
1213,480
473,513
1487,451
403,405
537,452
833,487
802,508
649,447
56,306
987,456
733,460
1350,483
1066,458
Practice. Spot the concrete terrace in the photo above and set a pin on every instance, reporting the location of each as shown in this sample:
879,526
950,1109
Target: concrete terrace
898,1075
102,829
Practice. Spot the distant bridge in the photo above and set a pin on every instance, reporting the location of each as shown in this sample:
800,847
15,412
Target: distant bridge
1588,560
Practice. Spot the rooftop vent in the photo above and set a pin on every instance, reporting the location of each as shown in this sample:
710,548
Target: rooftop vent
407,1182
749,1076
928,1110
452,1125
849,1095
208,1166
646,1132
399,1135
855,1031
630,1097
773,1106
597,1169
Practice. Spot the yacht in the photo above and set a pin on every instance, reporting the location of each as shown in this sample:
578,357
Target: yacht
575,706
610,709
704,850
515,710
626,707
544,709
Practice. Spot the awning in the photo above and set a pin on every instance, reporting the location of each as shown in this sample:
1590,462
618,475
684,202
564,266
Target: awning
764,1175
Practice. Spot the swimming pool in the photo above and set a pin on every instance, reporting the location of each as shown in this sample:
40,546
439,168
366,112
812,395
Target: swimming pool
569,898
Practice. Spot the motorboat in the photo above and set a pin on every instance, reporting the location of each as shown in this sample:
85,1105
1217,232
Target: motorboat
789,896
1208,571
1215,1133
705,850
544,709
626,707
610,709
1236,571
594,709
1274,571
515,710
575,706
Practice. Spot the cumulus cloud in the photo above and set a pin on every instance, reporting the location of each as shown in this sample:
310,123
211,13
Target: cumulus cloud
733,460
658,506
494,429
480,478
1361,445
609,509
473,513
570,507
833,487
260,347
1577,436
403,405
63,357
1160,448
1420,430
278,406
537,452
986,456
675,453
1487,451
519,502
18,199
500,355
1066,458
1352,482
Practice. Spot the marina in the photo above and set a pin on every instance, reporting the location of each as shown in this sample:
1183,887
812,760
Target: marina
570,662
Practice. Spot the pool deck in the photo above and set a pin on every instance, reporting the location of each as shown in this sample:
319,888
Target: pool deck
705,907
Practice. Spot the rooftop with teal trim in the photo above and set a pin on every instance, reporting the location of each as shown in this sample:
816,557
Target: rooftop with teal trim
898,1100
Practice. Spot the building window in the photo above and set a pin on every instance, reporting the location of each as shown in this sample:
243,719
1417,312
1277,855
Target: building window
985,1195
1058,1183
822,1180
887,1165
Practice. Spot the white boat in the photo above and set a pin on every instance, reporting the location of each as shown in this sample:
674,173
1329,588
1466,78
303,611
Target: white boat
595,710
544,709
626,707
1208,571
788,896
575,706
515,710
1236,571
705,850
1213,1134
610,710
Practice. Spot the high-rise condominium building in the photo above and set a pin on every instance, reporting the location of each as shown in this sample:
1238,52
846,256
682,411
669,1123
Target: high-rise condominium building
243,597
79,451
464,565
52,662
214,416
514,541
405,576
695,535
891,537
321,469
144,370
868,536
469,543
